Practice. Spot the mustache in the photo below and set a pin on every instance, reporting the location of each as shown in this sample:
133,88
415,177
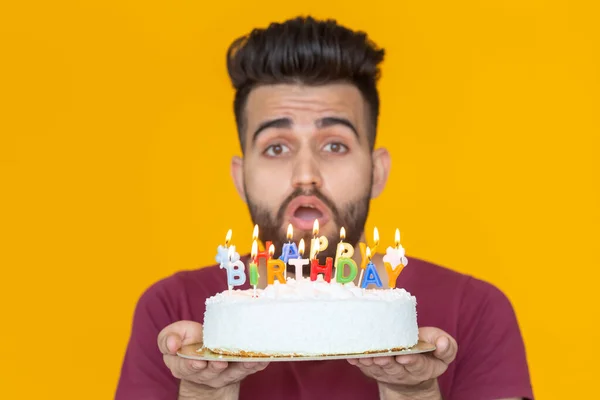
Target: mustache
308,192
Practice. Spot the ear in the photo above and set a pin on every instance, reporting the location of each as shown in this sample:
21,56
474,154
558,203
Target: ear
237,174
381,170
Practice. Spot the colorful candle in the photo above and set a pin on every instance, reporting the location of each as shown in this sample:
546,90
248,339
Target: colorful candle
254,267
343,257
394,261
316,269
299,262
222,256
289,249
340,250
341,264
317,243
363,252
371,275
314,245
275,268
236,275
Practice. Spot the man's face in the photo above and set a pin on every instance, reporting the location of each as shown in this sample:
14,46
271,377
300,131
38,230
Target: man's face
307,157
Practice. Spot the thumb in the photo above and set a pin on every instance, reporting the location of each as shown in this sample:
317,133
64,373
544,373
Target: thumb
446,346
179,334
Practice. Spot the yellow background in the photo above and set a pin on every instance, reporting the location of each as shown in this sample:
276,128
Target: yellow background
116,135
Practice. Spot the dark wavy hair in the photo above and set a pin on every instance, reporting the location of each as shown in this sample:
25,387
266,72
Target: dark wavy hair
306,51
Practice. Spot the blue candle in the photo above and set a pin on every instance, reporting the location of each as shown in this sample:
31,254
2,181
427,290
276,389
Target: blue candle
371,275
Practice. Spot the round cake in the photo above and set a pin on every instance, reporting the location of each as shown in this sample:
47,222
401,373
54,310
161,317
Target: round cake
310,318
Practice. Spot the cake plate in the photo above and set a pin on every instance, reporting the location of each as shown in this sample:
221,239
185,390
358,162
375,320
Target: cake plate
197,352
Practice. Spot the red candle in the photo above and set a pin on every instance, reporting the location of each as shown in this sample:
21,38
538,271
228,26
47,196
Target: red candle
316,269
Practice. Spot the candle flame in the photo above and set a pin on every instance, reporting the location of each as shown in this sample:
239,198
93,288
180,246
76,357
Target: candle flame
342,233
316,228
397,238
271,250
228,238
254,251
301,247
255,232
376,236
290,232
368,254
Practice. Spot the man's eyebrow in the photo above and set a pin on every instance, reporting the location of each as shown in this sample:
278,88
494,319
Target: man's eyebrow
287,123
274,123
330,121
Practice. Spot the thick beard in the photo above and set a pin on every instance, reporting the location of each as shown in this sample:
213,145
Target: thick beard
352,216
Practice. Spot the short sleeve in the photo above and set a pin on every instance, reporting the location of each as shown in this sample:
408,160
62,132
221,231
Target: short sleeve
491,359
144,374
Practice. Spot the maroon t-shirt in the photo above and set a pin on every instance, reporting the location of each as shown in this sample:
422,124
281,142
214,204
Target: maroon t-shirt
490,363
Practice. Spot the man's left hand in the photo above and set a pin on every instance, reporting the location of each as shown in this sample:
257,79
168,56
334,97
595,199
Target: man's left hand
413,375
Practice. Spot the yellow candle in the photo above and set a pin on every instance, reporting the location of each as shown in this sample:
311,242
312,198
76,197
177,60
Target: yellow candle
393,273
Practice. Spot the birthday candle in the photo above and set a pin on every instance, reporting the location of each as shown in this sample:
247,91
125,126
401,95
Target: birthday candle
314,245
363,252
371,275
236,275
223,251
254,267
394,261
299,262
275,268
337,250
289,249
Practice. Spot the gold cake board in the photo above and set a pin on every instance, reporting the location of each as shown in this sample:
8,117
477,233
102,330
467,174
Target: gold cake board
197,352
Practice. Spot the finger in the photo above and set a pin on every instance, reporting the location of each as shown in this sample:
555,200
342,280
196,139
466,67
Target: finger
367,362
181,368
352,361
217,366
418,365
199,365
383,361
255,366
178,334
446,348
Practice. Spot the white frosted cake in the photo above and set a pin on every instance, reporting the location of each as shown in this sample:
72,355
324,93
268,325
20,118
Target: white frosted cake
306,318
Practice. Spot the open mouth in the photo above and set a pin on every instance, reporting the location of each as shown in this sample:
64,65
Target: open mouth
303,210
308,213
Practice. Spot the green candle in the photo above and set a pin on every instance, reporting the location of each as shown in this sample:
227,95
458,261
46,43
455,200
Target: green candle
340,268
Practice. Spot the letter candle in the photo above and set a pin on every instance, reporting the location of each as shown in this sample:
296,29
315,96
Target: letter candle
275,268
394,261
317,243
261,254
313,242
363,247
254,267
289,249
299,262
337,250
236,275
223,251
371,275
344,253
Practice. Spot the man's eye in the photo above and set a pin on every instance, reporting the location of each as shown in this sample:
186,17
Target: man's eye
336,148
275,150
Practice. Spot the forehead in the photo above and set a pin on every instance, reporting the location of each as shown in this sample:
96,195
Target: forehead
304,103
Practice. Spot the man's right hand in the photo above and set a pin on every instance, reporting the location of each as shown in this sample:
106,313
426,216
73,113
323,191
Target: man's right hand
198,378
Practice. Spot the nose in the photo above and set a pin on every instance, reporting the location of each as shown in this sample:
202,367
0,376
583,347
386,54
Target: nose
306,172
